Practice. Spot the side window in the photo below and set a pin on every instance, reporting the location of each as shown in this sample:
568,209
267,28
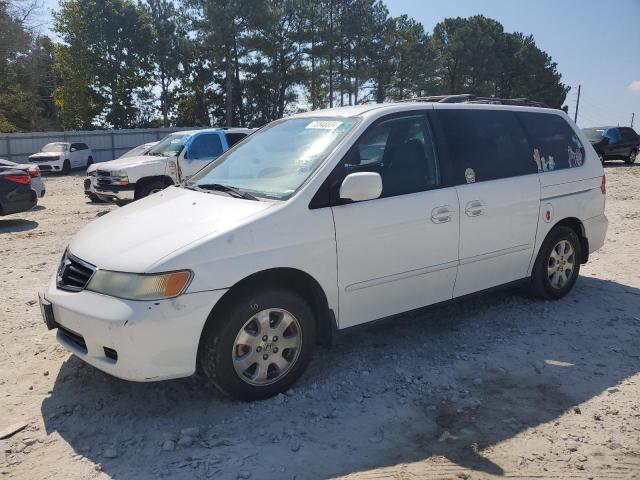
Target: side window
82,146
485,145
628,134
613,135
204,147
554,145
401,150
233,138
74,147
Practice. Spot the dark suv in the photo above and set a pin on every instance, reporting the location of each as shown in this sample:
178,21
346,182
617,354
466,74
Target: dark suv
610,143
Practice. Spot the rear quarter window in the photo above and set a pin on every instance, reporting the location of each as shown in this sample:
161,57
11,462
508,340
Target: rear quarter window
553,143
485,145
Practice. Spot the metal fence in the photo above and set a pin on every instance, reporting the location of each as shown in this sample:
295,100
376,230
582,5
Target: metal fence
106,144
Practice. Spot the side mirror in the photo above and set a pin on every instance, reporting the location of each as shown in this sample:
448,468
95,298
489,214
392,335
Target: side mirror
361,186
72,149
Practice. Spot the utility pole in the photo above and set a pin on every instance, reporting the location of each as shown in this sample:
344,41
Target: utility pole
633,115
575,118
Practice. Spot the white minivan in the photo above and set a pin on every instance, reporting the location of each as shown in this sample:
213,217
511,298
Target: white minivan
323,221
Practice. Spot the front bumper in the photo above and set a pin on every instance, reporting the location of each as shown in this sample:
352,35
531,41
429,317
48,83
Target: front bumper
139,341
48,165
115,193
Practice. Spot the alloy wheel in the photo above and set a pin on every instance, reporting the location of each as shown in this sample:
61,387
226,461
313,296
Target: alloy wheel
267,347
561,264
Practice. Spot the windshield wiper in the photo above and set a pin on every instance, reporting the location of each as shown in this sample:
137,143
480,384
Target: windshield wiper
233,191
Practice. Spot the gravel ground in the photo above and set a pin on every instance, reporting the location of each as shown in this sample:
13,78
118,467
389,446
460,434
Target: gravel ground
499,385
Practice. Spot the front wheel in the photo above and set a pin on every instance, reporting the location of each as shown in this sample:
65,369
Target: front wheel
632,157
89,162
558,264
259,345
66,167
150,188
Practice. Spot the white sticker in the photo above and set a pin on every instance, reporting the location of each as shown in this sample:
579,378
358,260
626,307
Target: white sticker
324,124
176,140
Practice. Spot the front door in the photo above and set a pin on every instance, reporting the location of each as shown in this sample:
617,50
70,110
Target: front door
201,151
499,194
400,251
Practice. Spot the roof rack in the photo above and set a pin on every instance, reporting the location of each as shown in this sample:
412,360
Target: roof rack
468,98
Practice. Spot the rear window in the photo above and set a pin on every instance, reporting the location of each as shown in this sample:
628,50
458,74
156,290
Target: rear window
553,143
485,145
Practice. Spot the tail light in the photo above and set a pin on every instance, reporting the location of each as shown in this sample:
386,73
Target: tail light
34,172
603,185
22,179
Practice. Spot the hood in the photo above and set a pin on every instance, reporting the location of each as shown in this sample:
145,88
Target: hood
137,236
120,163
46,154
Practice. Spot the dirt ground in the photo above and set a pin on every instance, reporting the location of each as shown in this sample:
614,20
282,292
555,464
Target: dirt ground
501,385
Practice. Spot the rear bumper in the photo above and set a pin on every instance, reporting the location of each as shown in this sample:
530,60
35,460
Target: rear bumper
595,230
18,201
138,341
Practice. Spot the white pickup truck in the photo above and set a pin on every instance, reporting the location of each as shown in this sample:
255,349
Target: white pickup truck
173,160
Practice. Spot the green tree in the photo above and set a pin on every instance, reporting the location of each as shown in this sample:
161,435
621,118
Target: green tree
165,49
108,42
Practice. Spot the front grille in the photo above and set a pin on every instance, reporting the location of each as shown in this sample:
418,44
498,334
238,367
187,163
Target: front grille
44,159
74,338
73,273
103,173
45,167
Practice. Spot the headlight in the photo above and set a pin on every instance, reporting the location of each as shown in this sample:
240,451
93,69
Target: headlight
135,286
119,177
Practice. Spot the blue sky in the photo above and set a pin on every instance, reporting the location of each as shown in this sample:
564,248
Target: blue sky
596,43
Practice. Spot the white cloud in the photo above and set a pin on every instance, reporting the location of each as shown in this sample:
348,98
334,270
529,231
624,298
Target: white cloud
635,86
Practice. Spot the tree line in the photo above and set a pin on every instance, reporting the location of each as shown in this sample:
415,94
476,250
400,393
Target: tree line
125,63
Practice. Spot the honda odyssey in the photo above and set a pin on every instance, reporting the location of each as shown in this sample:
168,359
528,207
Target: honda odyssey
323,221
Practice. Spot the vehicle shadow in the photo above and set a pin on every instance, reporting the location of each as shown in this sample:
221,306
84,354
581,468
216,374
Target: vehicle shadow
17,225
38,208
448,382
620,163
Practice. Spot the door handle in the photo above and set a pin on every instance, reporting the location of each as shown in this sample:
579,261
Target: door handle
474,208
441,214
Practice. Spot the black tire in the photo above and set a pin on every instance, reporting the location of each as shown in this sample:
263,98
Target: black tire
149,188
541,283
94,198
631,159
66,167
219,336
89,162
601,157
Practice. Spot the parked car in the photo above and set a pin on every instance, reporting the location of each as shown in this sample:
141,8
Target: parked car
323,221
89,182
37,182
62,157
610,143
16,194
173,160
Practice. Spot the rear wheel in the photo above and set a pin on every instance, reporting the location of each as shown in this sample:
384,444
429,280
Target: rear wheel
632,157
260,345
558,264
89,162
66,166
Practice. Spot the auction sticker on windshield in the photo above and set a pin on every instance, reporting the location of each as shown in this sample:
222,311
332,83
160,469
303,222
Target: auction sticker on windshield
324,124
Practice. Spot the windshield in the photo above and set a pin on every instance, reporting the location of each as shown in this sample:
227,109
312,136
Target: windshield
136,151
171,145
275,161
54,147
593,134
